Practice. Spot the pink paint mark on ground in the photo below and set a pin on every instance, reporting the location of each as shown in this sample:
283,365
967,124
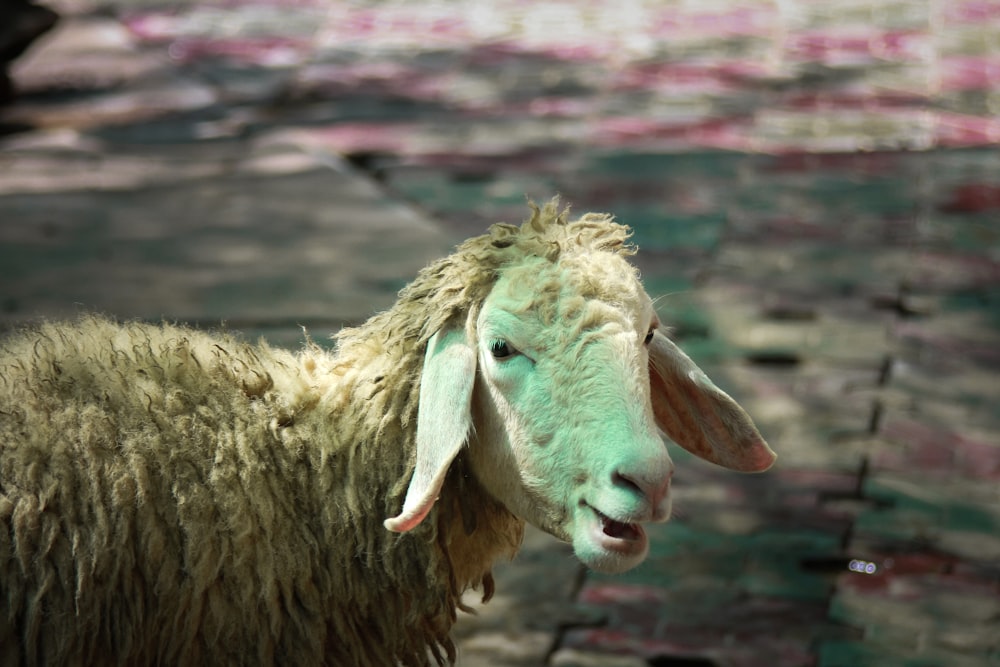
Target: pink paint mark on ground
265,51
561,107
977,11
736,21
973,198
937,450
970,73
943,270
955,130
385,22
686,78
151,27
575,51
622,593
186,45
857,46
350,138
893,569
920,580
722,133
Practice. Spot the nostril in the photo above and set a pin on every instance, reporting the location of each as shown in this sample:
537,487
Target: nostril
618,479
651,485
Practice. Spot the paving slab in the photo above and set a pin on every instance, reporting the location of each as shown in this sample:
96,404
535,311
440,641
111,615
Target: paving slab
256,235
534,599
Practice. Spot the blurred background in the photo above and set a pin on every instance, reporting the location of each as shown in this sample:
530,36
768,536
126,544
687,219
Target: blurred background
814,187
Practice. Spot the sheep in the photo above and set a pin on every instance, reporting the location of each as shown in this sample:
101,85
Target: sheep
170,496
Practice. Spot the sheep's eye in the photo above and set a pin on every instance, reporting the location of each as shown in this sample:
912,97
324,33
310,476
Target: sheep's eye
649,337
500,349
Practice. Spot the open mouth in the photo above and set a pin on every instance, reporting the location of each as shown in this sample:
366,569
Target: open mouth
608,545
623,535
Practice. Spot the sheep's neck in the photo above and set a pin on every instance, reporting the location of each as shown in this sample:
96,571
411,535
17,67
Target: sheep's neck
470,528
476,531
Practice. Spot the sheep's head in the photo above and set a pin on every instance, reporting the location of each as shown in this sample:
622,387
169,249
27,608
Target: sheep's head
560,381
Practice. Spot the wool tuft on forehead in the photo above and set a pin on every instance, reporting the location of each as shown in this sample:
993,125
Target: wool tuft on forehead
548,233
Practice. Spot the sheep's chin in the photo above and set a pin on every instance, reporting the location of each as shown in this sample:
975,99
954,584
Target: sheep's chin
609,553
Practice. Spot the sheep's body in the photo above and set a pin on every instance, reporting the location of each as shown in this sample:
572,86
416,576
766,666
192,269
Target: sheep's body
179,498
172,497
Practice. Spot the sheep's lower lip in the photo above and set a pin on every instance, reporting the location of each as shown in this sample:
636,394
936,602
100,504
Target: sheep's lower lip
607,544
618,536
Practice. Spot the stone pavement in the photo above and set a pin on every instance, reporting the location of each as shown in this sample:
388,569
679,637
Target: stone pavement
815,189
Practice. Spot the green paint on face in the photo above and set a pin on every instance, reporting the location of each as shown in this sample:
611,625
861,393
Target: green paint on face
573,404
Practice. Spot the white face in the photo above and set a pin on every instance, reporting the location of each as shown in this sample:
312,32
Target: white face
566,437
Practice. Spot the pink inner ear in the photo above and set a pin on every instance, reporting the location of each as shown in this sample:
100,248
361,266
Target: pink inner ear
699,416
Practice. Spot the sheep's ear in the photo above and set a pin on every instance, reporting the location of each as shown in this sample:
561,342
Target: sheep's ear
699,416
443,422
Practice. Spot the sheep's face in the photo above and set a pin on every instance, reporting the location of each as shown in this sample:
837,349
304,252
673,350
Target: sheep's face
566,436
556,386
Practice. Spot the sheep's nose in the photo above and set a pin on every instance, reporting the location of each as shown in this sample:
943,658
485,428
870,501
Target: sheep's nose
650,479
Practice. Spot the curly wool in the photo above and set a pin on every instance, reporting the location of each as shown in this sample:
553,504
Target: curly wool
173,497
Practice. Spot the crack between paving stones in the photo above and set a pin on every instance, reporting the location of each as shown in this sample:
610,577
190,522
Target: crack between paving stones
563,627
